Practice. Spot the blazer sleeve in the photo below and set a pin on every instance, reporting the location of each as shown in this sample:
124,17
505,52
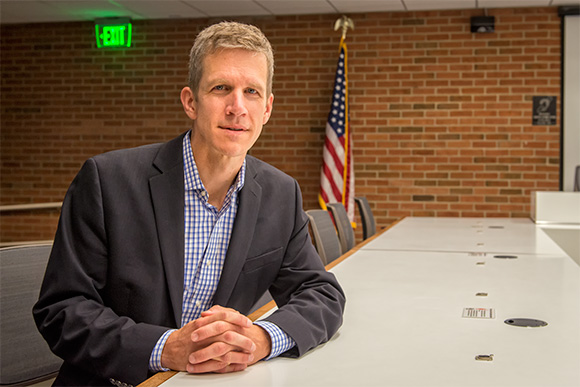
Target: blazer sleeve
71,312
311,301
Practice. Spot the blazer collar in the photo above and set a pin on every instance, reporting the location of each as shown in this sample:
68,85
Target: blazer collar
167,195
242,234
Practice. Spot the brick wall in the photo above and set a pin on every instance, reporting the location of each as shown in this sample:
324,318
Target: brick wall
441,117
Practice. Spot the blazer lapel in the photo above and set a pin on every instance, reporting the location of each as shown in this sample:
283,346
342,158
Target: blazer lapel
167,193
242,234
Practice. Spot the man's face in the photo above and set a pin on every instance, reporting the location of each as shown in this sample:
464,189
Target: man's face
231,105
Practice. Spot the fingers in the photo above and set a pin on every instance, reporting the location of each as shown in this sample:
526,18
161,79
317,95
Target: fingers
215,366
219,358
230,347
232,333
219,313
217,321
222,341
223,359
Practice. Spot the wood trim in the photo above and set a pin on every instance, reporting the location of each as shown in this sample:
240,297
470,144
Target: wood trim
17,244
31,206
260,312
157,379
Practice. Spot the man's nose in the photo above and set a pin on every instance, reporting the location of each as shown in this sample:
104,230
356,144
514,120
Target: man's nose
236,104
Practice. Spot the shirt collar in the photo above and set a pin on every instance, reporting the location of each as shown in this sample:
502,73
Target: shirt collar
191,175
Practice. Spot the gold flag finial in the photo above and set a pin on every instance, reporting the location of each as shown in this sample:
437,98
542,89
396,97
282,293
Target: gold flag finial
345,23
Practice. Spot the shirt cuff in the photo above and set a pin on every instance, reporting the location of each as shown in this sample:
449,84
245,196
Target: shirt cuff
155,359
281,342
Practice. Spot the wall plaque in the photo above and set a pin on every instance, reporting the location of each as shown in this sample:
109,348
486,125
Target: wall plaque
544,110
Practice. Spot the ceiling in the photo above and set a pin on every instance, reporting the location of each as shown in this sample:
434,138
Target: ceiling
46,11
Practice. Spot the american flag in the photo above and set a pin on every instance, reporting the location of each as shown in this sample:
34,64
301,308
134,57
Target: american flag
337,175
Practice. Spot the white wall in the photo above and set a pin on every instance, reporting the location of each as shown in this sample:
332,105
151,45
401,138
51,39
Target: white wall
571,100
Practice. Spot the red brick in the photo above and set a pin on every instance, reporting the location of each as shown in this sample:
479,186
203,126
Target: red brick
427,98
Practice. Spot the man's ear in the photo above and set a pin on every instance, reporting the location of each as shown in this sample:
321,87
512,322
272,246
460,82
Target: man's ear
188,102
268,111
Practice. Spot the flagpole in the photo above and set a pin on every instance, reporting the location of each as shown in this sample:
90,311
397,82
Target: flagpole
345,23
346,125
336,171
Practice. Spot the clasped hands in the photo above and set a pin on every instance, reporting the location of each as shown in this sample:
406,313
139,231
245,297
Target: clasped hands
221,340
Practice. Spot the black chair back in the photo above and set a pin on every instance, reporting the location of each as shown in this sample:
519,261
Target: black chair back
366,214
343,225
24,355
324,235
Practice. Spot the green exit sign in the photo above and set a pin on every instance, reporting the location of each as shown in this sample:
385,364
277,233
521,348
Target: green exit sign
113,32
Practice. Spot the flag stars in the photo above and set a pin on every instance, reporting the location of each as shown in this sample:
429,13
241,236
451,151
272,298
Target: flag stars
337,117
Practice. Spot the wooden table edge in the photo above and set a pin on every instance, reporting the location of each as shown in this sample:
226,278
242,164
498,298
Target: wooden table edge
157,379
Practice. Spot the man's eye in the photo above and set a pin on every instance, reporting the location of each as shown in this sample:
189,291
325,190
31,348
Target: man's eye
220,88
252,91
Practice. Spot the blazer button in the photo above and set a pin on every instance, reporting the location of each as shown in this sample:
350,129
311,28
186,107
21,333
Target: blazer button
118,383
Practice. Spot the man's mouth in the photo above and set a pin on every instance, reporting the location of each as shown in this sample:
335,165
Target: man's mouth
233,128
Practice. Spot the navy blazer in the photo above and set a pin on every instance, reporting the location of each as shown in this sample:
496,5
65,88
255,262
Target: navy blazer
114,281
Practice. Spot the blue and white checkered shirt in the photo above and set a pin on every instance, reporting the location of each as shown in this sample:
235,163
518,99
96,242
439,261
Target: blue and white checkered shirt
207,236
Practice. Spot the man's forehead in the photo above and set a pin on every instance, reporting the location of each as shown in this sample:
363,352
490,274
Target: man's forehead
238,67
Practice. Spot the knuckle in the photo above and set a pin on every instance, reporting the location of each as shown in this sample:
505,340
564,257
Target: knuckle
233,357
229,336
221,347
219,326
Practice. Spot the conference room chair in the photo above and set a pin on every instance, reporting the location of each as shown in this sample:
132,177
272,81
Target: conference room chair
24,355
343,226
366,215
324,235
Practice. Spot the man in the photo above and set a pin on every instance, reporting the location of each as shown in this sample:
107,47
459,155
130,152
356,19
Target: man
162,249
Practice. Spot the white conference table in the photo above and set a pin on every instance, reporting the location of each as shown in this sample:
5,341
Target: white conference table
490,235
404,324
